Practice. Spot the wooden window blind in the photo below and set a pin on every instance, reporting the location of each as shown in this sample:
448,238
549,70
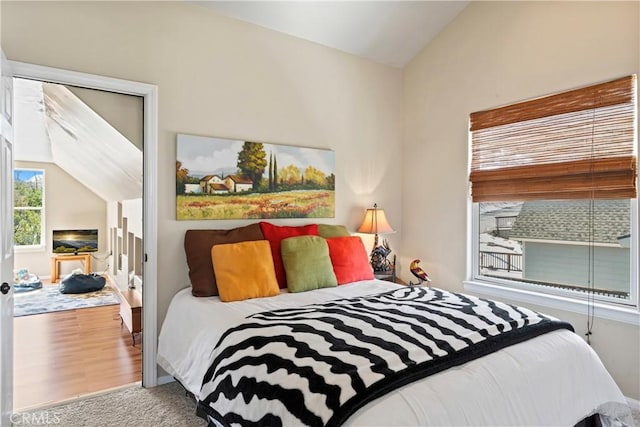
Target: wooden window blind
579,144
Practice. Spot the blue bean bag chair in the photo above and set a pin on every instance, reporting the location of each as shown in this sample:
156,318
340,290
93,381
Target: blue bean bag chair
82,283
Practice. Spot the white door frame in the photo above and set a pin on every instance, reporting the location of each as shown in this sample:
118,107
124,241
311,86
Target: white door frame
150,203
6,242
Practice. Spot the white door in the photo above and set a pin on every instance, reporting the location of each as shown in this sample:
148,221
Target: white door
6,245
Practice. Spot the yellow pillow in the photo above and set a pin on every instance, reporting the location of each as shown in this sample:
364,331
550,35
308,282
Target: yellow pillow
244,270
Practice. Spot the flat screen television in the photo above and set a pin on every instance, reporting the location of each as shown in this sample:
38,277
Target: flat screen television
75,241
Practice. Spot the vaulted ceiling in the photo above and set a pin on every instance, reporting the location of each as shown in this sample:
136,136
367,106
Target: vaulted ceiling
389,32
53,125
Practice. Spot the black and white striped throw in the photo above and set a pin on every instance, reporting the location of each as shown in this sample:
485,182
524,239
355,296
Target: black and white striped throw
317,364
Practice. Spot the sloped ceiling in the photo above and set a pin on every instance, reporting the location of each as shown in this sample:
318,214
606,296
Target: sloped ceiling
389,32
62,129
30,125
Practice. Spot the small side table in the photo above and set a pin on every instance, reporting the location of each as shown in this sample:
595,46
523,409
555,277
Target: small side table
57,259
131,312
389,276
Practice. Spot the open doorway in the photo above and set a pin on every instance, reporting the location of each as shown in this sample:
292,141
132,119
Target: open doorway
80,152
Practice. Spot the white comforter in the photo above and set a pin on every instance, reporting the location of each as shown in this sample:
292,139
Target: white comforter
554,379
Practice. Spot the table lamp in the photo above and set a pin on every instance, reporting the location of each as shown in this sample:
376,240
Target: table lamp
375,222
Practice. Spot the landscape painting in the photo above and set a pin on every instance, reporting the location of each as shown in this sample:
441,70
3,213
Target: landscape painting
220,178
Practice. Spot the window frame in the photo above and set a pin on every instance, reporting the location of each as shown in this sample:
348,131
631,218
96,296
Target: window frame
605,307
43,243
599,97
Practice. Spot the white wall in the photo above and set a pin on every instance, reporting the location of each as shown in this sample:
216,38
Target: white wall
123,112
492,54
221,77
68,205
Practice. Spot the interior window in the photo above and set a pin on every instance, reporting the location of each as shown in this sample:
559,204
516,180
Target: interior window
28,208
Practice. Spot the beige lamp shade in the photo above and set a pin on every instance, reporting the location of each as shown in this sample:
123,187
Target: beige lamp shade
375,222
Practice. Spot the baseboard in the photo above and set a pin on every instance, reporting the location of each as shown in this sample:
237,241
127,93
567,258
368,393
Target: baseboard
113,282
165,379
78,398
633,404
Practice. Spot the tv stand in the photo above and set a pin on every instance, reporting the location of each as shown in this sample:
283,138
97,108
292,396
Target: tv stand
57,259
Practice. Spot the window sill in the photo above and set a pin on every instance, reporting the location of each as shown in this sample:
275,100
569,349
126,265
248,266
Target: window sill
28,249
620,314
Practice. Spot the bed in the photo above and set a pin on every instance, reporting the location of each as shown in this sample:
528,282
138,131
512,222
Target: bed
238,360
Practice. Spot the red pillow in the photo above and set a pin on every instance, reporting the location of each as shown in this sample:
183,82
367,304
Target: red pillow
350,259
274,234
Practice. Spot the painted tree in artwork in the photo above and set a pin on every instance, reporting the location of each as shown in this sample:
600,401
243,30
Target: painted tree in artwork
312,174
275,173
252,160
331,182
270,171
289,175
182,175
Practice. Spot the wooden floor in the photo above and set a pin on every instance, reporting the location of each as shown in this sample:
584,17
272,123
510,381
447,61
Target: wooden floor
67,354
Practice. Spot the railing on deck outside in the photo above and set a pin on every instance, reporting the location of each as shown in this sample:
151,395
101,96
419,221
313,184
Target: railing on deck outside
500,261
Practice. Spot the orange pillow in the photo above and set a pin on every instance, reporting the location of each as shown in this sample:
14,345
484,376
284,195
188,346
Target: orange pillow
275,234
349,259
244,270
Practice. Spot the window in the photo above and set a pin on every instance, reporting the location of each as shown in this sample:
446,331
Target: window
554,186
28,208
547,243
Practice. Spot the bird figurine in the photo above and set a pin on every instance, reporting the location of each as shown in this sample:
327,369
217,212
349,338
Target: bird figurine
417,271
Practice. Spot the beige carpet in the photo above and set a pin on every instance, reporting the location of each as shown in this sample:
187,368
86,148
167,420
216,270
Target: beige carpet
165,405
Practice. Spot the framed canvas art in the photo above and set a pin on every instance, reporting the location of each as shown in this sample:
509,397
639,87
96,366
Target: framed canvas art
220,178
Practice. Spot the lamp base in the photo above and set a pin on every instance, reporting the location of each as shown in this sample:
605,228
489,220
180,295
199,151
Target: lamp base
380,267
379,261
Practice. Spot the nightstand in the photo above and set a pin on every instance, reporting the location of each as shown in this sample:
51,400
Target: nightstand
389,276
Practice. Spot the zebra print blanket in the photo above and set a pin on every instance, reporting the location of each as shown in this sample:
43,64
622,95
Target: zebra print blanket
317,364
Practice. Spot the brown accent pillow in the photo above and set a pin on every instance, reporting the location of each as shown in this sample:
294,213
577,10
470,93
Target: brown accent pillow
197,246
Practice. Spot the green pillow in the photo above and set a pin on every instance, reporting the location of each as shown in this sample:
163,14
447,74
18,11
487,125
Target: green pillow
327,231
307,263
